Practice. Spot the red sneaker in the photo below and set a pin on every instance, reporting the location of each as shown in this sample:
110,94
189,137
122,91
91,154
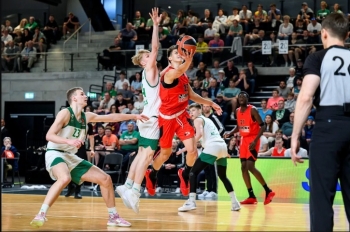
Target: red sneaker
151,188
185,190
269,198
249,201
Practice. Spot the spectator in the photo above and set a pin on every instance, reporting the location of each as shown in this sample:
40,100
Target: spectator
138,22
215,70
287,129
300,28
204,93
128,144
171,166
245,17
213,89
294,51
130,109
229,21
285,29
39,41
28,57
136,84
281,115
305,13
139,104
165,22
308,128
264,144
216,46
336,8
220,20
111,57
8,26
220,101
208,113
110,143
277,151
4,131
98,143
196,87
26,37
323,12
231,72
31,25
9,164
223,80
274,50
232,148
209,33
120,103
296,89
283,90
51,30
202,49
235,30
252,73
18,40
164,36
314,29
258,43
308,40
191,22
10,59
191,72
272,103
127,36
270,129
21,26
279,135
179,22
241,81
301,152
290,103
274,16
299,68
6,37
260,14
110,90
127,94
207,79
230,95
263,111
71,24
122,79
291,80
201,72
106,103
204,22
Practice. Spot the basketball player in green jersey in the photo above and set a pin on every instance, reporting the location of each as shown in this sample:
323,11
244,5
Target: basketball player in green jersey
149,130
65,137
215,149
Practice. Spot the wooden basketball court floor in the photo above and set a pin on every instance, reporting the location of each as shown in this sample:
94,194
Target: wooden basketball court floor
90,214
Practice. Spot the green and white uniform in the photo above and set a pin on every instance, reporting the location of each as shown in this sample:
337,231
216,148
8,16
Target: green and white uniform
215,148
149,130
64,153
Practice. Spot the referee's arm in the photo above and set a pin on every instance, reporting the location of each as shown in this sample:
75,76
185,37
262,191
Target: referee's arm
303,105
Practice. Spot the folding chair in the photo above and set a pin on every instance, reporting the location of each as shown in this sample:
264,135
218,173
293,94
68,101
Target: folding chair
114,159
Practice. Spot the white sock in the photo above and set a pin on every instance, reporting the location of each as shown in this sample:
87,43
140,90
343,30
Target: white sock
128,183
193,196
44,209
112,210
136,188
233,196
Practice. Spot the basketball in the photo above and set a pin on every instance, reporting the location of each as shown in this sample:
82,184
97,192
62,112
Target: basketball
186,44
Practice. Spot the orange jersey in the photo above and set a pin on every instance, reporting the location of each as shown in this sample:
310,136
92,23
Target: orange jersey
275,152
247,126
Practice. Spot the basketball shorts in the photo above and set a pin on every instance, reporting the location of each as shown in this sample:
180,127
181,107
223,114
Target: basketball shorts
217,151
244,152
149,133
76,165
181,125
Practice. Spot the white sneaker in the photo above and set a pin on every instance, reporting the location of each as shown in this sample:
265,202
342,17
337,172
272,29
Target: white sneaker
211,195
159,190
121,189
286,65
232,116
39,220
116,220
203,194
133,199
236,206
177,190
188,205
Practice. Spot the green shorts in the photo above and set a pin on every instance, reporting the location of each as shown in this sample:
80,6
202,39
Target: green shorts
145,142
210,159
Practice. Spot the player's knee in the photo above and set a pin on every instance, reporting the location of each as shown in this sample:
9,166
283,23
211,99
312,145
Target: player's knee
244,168
65,180
106,180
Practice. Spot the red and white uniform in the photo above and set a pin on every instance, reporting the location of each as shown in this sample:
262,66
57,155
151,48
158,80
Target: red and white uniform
248,129
173,117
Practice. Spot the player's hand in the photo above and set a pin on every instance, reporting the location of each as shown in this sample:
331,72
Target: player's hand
141,117
252,146
188,56
227,135
293,152
217,108
75,143
154,16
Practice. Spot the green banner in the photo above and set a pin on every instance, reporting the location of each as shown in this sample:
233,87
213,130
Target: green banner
289,182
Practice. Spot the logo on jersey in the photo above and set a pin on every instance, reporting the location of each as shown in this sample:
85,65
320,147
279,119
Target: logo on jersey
187,133
183,97
244,128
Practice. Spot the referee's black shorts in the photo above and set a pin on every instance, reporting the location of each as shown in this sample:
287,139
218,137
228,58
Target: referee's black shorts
329,162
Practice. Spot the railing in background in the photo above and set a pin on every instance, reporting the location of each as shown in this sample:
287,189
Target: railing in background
70,37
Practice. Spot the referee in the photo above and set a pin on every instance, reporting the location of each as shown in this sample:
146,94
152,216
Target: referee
327,77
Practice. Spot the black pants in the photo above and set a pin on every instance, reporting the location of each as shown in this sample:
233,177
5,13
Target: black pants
210,176
164,173
329,162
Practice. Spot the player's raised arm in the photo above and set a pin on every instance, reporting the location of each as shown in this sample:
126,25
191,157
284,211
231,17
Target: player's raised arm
151,64
92,117
175,73
198,99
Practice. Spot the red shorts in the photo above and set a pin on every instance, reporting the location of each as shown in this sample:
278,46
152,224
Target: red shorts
182,126
244,152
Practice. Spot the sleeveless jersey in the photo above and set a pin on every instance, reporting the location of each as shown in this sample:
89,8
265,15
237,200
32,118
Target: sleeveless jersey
210,133
275,152
151,98
73,130
247,126
174,96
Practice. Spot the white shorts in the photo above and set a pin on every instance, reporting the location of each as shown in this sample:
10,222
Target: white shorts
149,129
217,149
76,165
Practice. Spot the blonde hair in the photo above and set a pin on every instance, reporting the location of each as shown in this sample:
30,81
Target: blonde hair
71,92
286,17
136,59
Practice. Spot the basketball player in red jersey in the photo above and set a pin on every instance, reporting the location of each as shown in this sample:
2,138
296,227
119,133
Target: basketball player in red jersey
175,92
250,127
